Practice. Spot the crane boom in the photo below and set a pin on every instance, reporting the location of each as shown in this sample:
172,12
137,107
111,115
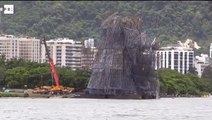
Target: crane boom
53,69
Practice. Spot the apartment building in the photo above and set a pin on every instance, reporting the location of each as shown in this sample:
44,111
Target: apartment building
65,52
200,63
175,58
89,52
88,57
89,43
20,47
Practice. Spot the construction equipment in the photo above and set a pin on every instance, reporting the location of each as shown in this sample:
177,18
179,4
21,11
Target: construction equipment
53,70
52,90
58,89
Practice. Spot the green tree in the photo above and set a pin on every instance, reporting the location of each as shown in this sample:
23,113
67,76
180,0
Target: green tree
175,83
16,77
169,21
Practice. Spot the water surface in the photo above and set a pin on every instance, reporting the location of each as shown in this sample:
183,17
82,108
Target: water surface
105,109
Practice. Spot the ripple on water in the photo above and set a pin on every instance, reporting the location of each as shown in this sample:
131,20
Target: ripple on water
106,109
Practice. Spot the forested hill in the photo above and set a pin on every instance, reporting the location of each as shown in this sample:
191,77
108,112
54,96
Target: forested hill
169,21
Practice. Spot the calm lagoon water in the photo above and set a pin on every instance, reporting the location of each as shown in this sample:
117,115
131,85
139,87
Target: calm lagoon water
105,109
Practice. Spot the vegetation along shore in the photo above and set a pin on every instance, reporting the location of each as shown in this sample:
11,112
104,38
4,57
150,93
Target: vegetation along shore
21,74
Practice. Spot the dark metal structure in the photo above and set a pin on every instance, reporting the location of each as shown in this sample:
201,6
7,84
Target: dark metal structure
125,62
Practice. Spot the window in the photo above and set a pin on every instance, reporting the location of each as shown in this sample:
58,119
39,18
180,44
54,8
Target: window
169,60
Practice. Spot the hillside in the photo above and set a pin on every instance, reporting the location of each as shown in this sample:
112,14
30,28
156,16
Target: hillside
169,21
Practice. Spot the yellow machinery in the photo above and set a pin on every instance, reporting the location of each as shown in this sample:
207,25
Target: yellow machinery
52,90
58,89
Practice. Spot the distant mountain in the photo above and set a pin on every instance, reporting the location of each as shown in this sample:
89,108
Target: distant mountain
168,21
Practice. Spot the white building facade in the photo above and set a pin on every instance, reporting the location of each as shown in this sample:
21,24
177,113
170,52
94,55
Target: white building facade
20,47
89,52
175,58
200,63
65,52
89,43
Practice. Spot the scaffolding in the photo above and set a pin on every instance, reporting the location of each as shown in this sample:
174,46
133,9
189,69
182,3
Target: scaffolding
125,61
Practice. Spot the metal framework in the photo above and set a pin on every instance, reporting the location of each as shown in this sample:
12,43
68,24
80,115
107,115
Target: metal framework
125,61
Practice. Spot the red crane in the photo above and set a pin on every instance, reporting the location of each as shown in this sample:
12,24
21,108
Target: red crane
57,89
53,69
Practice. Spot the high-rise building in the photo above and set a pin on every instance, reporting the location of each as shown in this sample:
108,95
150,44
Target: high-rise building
89,52
20,47
65,52
88,57
200,63
175,58
89,43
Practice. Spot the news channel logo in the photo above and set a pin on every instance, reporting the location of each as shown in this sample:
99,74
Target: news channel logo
7,9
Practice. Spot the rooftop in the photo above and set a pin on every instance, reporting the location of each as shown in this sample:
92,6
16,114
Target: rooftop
63,40
3,36
175,48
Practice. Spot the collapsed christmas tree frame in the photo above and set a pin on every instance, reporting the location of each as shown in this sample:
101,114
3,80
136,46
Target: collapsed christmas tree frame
125,62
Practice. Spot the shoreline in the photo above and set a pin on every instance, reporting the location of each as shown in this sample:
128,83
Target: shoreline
95,98
34,96
78,95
